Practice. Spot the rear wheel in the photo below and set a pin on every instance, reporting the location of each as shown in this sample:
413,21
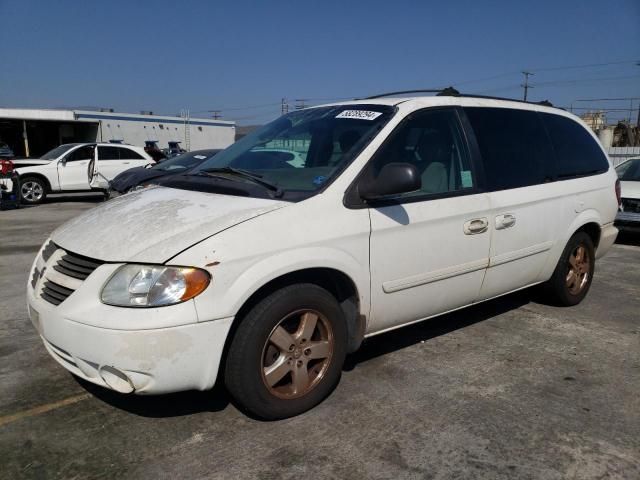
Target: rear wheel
33,190
572,277
287,353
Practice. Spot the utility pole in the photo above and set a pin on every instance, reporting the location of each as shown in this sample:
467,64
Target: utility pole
284,106
216,114
526,85
300,103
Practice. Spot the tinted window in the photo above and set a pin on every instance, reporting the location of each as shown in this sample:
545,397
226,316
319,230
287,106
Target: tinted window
577,152
108,153
128,154
82,153
431,141
514,146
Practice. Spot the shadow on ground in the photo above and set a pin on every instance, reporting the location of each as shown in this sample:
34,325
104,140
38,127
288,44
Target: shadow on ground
628,238
424,331
85,197
217,399
161,406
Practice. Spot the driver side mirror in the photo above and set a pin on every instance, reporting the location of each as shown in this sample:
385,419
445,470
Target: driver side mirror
63,161
393,179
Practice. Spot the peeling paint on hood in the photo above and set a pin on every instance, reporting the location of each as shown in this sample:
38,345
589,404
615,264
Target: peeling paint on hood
154,224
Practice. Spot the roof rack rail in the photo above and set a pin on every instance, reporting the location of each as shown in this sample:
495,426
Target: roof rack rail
452,92
440,91
545,103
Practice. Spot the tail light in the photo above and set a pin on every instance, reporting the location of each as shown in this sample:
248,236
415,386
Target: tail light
618,192
6,167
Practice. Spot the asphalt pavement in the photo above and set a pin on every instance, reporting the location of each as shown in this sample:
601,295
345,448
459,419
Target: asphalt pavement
509,389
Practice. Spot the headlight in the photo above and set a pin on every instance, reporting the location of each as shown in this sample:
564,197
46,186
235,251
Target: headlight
153,285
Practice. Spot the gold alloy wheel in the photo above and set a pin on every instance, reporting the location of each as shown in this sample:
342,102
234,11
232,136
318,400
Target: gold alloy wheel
579,269
297,354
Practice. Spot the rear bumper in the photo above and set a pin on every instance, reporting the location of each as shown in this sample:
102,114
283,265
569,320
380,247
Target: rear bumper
608,236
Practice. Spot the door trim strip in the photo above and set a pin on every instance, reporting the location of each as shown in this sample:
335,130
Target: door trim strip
442,274
518,254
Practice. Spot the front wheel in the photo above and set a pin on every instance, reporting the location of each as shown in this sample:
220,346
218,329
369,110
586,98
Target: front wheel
32,190
572,277
287,353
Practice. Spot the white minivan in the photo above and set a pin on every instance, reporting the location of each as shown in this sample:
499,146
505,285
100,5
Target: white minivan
265,274
71,168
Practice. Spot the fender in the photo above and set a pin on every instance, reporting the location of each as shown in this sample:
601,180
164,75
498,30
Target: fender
45,172
247,277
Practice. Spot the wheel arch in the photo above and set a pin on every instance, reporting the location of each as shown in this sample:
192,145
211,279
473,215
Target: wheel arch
592,229
589,222
338,283
39,176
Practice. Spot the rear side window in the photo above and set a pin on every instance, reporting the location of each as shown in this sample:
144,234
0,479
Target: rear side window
128,154
514,145
577,152
108,153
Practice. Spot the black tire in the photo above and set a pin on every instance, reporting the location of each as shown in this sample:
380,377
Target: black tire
33,190
249,352
557,289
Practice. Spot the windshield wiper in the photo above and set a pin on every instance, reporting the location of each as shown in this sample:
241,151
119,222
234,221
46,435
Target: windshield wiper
254,177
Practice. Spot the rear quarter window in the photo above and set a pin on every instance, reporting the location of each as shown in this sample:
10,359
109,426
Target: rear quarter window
128,154
514,146
577,152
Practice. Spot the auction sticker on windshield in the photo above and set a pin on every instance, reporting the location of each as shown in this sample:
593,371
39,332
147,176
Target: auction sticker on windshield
359,114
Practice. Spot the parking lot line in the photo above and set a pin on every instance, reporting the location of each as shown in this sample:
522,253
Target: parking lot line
6,419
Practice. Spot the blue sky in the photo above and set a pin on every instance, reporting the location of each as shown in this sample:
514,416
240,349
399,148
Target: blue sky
227,55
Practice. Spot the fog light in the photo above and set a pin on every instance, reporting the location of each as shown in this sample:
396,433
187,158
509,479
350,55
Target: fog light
116,379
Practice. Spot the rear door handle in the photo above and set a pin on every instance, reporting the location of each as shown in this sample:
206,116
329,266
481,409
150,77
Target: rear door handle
505,221
475,226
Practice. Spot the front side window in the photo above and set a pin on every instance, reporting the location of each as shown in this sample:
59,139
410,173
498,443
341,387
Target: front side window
514,146
304,150
432,141
577,152
82,153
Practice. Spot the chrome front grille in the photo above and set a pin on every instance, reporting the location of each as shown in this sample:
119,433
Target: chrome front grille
76,268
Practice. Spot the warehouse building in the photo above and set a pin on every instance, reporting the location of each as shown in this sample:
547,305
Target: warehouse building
32,132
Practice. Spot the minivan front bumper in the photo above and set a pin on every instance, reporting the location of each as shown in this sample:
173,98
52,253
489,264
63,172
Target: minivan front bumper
145,361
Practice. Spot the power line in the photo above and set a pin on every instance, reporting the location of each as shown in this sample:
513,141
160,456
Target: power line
569,67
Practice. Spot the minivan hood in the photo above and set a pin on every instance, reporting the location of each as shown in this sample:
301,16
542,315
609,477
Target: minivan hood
155,224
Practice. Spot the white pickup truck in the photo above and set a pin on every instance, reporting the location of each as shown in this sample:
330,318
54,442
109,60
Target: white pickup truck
70,168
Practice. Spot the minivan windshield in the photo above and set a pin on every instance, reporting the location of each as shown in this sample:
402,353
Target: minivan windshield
56,152
299,153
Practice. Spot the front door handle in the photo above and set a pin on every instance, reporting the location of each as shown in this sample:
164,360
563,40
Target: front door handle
475,226
505,221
